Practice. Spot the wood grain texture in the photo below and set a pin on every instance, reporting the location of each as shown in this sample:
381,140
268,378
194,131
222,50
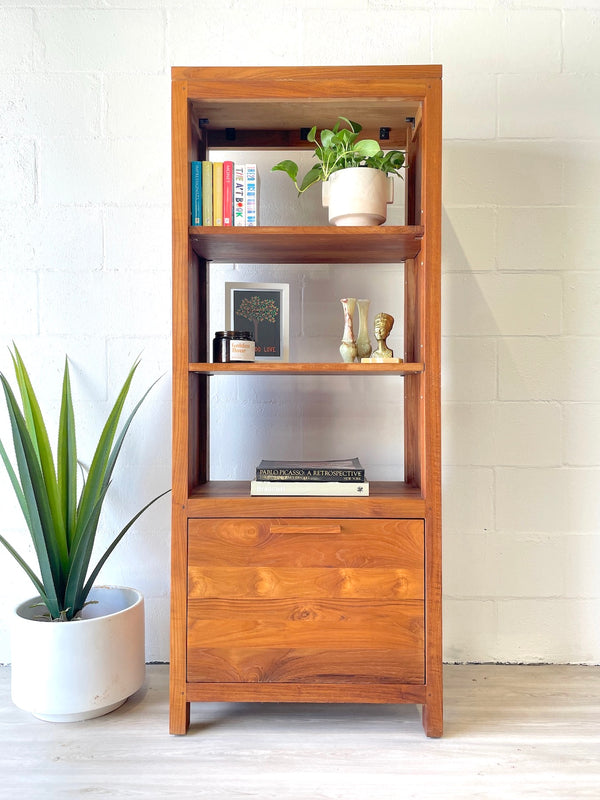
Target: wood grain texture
325,368
310,245
308,582
183,442
361,544
304,665
431,483
387,499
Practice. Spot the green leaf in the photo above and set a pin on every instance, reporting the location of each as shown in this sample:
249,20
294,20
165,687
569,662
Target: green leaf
67,459
327,137
354,126
287,166
36,499
367,148
312,176
39,435
74,596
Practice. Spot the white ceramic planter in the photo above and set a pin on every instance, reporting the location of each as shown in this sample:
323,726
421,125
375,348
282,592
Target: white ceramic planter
71,671
358,196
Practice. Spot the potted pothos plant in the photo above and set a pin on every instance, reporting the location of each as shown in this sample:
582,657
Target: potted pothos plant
77,648
356,174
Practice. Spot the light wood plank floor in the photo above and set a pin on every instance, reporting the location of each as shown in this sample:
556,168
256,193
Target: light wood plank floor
511,732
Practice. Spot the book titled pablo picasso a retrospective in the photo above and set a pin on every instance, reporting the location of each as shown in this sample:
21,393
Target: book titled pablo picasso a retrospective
341,470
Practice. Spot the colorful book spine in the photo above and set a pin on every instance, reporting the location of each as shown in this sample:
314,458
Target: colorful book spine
228,168
239,191
251,196
218,193
309,489
196,193
207,190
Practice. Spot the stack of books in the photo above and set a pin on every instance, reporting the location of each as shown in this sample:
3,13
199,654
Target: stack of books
343,478
224,193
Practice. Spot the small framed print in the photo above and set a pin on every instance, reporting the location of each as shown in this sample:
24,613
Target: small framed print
262,309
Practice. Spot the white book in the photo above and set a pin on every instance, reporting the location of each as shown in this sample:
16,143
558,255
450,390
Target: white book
239,193
310,488
251,196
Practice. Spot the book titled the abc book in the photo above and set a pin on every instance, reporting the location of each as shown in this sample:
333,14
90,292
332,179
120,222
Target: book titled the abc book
349,469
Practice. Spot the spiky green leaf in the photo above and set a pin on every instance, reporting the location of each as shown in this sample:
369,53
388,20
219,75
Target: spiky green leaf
39,435
67,459
36,499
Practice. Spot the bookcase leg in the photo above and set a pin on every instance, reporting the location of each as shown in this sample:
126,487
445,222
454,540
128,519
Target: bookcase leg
179,720
433,718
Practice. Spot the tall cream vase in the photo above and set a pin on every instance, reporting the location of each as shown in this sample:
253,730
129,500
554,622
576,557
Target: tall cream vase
77,670
358,196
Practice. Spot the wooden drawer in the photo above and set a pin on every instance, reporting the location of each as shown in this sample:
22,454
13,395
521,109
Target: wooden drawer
305,600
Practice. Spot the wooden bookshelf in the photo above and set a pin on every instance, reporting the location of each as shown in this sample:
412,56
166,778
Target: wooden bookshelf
307,599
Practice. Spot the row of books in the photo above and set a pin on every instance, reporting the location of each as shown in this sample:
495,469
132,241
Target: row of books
224,193
340,478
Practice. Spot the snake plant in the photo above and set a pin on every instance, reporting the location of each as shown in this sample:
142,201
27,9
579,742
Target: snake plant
340,148
62,525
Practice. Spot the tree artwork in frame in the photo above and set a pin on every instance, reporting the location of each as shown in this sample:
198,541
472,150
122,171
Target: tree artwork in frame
262,309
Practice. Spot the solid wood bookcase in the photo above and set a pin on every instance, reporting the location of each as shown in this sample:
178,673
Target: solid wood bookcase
307,599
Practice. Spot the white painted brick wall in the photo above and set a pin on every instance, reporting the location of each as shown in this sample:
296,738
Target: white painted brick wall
85,269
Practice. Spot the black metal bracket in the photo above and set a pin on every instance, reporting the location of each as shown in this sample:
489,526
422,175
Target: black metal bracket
384,133
304,134
230,134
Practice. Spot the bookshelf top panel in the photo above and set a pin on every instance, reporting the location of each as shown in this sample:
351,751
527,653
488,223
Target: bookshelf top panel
287,99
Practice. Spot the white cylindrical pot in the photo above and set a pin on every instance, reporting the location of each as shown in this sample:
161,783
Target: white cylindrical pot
358,196
71,671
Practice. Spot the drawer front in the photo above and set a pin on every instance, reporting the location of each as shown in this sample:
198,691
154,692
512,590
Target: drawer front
316,601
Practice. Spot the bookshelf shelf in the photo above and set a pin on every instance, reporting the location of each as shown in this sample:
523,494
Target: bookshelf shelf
387,499
281,368
318,598
308,245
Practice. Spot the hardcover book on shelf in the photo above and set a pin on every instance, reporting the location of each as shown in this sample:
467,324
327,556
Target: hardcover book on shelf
239,194
251,196
228,167
309,488
207,190
348,470
196,192
217,193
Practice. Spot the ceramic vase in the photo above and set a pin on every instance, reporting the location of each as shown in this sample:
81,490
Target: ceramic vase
358,196
72,671
363,345
348,345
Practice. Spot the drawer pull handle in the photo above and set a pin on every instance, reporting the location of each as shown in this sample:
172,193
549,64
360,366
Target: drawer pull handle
317,528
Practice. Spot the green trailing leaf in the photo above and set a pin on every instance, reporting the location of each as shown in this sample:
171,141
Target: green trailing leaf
339,148
63,529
